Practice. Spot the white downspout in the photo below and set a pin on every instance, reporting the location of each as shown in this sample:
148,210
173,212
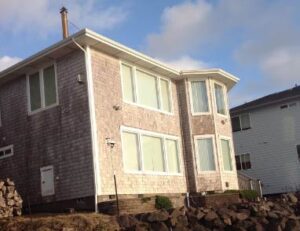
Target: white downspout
93,121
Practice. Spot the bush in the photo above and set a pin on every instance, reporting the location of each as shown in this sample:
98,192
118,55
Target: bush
250,195
162,202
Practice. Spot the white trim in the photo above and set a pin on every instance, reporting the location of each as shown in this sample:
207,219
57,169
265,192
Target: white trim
199,79
40,73
93,121
202,137
45,169
163,137
157,77
11,147
232,155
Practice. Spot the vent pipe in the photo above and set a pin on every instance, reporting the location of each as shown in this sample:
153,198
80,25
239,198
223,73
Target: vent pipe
64,22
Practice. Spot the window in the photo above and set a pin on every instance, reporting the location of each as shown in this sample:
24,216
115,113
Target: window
148,90
220,100
130,153
42,89
149,152
243,162
240,122
226,153
6,151
298,151
205,152
0,118
199,97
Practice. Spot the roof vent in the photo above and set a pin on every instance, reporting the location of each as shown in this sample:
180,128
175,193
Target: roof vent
64,22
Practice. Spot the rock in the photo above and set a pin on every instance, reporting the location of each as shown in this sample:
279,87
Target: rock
198,227
211,216
127,221
227,221
272,215
182,220
159,226
292,225
241,216
161,215
141,227
292,198
199,214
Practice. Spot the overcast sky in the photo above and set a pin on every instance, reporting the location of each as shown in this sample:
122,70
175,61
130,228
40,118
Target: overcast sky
256,40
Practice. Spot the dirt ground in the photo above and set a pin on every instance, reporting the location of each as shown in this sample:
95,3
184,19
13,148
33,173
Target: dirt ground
61,222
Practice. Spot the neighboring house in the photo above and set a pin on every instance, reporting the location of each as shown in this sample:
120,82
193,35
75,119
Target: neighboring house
59,108
267,140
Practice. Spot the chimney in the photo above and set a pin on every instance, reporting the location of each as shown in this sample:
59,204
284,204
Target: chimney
64,22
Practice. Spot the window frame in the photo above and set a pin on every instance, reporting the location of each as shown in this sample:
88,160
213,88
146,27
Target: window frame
240,121
163,137
232,154
40,72
136,91
208,93
6,148
208,136
241,157
225,98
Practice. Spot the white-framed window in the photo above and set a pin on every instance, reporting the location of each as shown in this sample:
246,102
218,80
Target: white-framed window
6,151
42,89
220,99
243,161
146,89
241,122
199,97
205,152
226,154
149,152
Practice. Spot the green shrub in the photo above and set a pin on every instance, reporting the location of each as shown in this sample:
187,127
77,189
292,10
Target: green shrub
250,195
162,202
232,191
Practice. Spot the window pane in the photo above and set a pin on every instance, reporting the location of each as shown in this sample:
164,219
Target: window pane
147,91
247,161
49,86
245,121
220,99
226,155
172,152
165,95
298,151
127,81
130,151
152,154
235,123
35,92
206,154
238,162
199,94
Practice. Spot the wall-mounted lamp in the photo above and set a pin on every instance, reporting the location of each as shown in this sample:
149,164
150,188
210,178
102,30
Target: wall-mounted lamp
110,142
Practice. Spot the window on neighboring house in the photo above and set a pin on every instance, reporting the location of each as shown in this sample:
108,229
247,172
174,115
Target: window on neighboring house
199,96
243,161
145,89
220,99
226,153
205,152
298,151
6,151
240,122
149,153
0,118
42,89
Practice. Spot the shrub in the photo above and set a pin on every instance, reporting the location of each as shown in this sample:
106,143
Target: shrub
250,195
162,202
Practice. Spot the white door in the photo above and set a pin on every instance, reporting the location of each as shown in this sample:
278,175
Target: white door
47,181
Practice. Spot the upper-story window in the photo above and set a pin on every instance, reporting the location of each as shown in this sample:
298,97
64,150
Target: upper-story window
240,122
220,99
146,89
199,97
42,89
243,161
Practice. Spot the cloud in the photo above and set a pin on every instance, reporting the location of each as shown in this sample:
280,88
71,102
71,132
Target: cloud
6,61
42,16
186,63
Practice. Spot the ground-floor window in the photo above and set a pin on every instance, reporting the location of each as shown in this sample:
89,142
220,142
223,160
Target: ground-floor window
243,161
205,153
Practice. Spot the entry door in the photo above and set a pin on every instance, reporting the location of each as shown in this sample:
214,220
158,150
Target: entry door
47,181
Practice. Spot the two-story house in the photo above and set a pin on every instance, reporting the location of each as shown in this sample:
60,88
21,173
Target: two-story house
168,131
266,135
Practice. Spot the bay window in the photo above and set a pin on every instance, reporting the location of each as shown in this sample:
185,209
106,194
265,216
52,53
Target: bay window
205,154
199,97
220,99
226,153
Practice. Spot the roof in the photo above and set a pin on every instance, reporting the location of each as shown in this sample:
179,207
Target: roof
277,97
86,37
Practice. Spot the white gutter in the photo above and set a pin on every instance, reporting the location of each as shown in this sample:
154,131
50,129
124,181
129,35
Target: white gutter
93,121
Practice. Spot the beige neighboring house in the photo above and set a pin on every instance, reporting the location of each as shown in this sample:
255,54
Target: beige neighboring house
171,129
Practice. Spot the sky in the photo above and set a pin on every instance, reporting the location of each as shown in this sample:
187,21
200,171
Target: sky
256,40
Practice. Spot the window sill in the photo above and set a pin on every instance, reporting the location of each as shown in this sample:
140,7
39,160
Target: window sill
152,173
200,113
207,172
222,115
149,108
30,113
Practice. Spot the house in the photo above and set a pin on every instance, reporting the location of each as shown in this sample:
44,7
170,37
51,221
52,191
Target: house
266,135
88,108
